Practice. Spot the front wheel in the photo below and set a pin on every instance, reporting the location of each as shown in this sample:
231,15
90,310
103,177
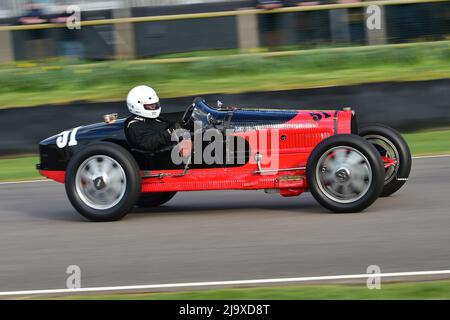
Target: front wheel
103,182
345,173
394,151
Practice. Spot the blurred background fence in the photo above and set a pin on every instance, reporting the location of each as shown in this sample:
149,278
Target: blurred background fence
397,74
147,28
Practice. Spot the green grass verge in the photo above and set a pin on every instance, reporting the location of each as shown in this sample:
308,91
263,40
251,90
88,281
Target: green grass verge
57,82
16,169
411,290
421,143
429,142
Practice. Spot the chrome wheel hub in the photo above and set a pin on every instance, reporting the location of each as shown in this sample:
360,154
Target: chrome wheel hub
343,174
100,182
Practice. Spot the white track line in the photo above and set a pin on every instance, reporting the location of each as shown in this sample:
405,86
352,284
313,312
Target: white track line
428,157
223,283
26,181
47,180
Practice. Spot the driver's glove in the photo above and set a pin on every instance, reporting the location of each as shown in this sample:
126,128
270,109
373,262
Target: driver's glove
173,130
173,134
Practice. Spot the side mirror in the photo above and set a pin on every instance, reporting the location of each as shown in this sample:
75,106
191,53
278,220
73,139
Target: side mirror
110,118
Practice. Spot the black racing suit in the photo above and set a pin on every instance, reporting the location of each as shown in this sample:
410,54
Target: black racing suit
150,134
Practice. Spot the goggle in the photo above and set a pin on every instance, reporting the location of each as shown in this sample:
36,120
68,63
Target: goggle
152,106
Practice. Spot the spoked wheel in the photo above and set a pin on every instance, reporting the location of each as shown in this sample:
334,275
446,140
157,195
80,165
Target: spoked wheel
389,155
394,152
103,182
345,173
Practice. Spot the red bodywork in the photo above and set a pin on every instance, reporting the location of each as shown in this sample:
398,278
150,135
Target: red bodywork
296,139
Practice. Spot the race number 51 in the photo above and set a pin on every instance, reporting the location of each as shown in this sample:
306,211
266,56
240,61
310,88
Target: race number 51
67,138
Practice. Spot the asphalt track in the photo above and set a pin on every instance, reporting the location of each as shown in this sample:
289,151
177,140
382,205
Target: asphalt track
213,236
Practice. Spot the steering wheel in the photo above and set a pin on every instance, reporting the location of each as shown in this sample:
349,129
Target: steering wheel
187,115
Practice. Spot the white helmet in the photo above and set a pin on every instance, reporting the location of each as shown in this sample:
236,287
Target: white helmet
143,101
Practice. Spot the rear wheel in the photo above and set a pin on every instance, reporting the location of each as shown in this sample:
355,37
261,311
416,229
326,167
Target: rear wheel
155,199
345,173
394,149
103,182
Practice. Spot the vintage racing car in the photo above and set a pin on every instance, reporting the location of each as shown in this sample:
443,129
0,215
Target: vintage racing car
285,151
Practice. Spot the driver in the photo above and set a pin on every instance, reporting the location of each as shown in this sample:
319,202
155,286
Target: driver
146,129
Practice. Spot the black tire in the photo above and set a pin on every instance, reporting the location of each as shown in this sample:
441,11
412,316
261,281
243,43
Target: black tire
359,149
128,180
396,176
154,199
